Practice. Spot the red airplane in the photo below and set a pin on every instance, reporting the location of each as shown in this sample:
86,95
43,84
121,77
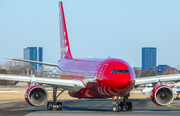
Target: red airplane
91,78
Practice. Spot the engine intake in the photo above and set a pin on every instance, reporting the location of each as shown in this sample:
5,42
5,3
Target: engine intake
162,95
36,95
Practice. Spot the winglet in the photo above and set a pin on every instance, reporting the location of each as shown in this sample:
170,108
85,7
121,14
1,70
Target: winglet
65,48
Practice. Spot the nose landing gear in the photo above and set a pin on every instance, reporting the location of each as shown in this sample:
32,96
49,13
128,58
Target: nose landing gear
118,106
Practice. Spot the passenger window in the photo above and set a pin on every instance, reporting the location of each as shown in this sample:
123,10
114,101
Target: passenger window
120,71
126,71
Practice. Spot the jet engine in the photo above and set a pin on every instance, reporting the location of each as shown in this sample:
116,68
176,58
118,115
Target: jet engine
36,95
162,95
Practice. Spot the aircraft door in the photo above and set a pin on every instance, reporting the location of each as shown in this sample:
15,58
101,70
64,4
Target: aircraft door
67,73
88,73
101,74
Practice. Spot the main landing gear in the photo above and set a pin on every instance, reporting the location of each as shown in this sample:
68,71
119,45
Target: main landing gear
177,97
118,106
56,105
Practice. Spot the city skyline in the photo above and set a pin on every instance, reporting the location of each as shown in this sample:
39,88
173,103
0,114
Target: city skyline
117,29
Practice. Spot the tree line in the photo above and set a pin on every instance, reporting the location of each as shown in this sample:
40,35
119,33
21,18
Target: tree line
15,68
148,73
168,70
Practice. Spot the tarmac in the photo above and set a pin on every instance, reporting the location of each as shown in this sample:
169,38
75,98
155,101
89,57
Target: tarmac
96,107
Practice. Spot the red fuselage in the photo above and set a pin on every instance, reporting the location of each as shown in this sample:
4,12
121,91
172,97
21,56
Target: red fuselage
102,78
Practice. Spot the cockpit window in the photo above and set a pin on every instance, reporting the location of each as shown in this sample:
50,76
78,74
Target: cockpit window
114,71
120,71
126,71
130,71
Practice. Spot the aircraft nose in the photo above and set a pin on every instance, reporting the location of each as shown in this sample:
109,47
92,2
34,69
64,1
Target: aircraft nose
122,82
122,85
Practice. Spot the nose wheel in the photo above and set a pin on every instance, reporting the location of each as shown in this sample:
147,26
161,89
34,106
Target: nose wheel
128,106
118,106
115,108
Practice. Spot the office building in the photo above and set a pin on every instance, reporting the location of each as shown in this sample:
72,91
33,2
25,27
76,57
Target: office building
161,67
51,71
35,54
148,58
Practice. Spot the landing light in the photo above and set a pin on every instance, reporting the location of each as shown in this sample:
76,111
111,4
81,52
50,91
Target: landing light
115,97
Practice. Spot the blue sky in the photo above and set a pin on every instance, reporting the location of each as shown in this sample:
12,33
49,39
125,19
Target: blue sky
116,28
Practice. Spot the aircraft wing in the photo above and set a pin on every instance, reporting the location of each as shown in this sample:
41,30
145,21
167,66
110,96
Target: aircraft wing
156,79
72,85
43,63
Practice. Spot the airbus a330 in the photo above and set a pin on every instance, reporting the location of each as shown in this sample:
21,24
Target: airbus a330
91,78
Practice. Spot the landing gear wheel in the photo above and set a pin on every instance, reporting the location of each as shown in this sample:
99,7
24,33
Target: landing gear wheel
129,106
121,106
59,106
118,106
177,97
115,108
49,106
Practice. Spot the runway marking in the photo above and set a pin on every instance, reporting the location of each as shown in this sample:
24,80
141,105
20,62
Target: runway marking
173,106
22,108
76,105
25,108
108,105
97,105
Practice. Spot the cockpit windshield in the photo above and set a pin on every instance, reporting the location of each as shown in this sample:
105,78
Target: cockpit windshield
114,71
121,71
126,71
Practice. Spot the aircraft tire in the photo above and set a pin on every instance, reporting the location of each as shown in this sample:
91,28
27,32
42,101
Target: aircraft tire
49,106
129,106
59,105
121,106
115,108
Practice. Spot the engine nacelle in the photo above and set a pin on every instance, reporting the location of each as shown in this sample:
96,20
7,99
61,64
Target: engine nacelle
36,95
162,95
